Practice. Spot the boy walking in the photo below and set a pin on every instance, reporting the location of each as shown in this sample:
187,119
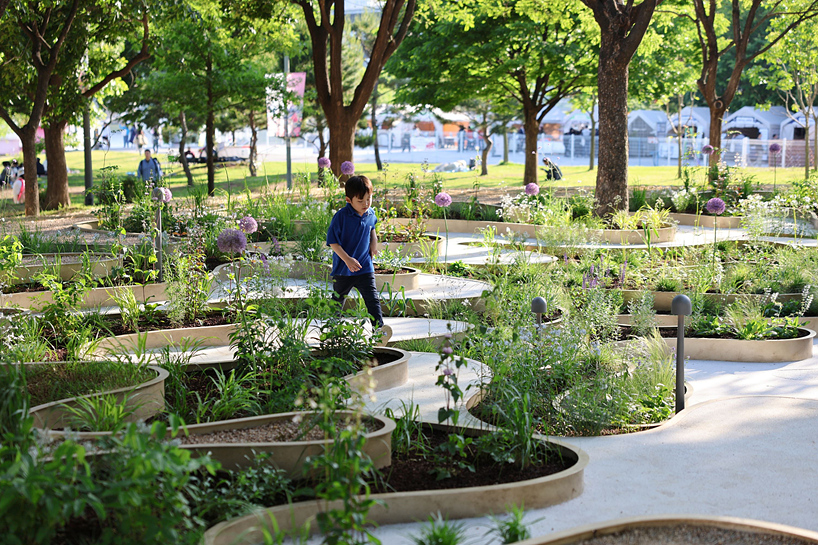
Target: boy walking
351,236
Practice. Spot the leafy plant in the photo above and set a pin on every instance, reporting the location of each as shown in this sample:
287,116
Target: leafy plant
440,531
511,529
101,413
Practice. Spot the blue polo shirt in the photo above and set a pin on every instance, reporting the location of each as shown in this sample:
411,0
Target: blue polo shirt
352,232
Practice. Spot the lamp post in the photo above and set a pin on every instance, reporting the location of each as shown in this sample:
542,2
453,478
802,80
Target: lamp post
681,307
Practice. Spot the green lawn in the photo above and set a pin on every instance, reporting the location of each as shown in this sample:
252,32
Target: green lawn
234,178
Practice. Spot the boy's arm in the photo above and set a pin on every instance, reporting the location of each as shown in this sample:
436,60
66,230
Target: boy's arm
373,243
351,262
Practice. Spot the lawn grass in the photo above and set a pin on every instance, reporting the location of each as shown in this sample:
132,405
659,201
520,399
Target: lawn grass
236,178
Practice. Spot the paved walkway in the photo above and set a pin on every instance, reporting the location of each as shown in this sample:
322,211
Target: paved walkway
745,446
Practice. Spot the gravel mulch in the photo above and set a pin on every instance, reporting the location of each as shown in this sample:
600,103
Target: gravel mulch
690,535
275,432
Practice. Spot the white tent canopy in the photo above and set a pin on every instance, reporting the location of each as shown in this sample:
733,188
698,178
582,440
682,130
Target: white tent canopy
647,123
795,124
696,119
754,123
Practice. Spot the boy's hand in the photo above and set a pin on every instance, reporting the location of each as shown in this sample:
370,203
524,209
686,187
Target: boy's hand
353,264
373,251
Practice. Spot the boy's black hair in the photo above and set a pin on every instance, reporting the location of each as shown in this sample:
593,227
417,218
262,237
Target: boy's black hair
358,186
6,163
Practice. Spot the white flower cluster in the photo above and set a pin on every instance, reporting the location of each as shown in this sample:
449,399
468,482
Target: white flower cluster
682,199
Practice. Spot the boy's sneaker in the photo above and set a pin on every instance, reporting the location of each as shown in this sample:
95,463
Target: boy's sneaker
382,335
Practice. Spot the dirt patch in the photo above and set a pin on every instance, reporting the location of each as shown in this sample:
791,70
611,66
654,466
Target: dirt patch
690,535
283,431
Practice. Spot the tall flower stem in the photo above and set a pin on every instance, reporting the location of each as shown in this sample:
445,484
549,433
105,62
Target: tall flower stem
446,250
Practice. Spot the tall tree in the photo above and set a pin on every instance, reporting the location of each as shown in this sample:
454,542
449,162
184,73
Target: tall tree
729,27
622,27
326,28
95,58
492,50
32,35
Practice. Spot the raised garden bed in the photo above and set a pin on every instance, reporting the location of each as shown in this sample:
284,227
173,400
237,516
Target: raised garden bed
663,299
410,506
704,220
407,278
257,432
666,233
70,265
412,249
391,370
756,351
148,399
96,297
679,530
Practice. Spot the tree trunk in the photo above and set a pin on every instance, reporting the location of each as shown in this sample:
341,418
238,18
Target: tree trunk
378,162
210,130
593,140
532,130
182,145
716,117
342,141
505,147
806,147
815,145
56,193
612,176
29,141
253,143
484,170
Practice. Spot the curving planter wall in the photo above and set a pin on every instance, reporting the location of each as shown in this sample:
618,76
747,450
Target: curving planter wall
667,233
703,220
766,351
408,278
403,507
96,297
589,531
147,398
288,456
413,249
383,377
101,266
662,299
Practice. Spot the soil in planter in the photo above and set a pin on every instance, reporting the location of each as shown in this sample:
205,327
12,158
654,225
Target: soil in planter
161,321
379,270
670,333
47,383
274,432
414,471
690,535
380,358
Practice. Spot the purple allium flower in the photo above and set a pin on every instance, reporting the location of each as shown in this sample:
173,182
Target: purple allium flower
447,350
443,199
324,162
248,225
231,241
532,189
347,168
167,196
775,147
265,262
708,149
275,247
715,206
448,372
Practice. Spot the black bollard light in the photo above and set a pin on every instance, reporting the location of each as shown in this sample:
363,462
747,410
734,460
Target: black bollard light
681,307
539,307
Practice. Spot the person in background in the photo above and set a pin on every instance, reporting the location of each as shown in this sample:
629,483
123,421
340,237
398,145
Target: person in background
5,174
18,190
140,140
40,168
148,168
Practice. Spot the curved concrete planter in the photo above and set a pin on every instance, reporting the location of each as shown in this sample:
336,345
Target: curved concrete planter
662,320
408,278
217,335
147,398
414,249
92,226
101,266
666,233
288,456
703,220
471,226
662,299
384,377
767,351
97,297
578,535
400,507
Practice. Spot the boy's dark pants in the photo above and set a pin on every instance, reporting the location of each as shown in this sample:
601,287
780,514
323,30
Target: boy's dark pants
365,284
